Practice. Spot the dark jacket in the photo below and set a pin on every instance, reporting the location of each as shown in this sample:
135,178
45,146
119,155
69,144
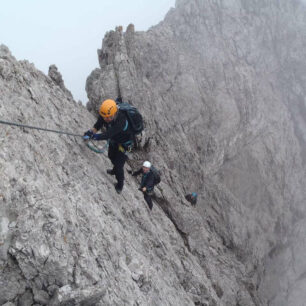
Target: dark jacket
147,179
117,131
191,199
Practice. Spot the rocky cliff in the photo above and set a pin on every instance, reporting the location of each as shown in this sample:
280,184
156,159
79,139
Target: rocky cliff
222,90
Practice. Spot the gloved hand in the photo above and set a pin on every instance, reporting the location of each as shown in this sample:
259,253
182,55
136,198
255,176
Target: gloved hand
89,133
130,172
96,136
119,100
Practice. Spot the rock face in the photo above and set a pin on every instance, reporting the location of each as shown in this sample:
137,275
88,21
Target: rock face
223,87
56,76
222,90
68,239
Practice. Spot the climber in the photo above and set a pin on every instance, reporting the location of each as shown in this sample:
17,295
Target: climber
192,198
147,182
118,133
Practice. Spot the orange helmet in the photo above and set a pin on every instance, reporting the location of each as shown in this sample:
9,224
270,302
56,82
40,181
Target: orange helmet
108,108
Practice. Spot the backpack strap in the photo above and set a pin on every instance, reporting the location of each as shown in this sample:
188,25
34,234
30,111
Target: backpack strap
126,125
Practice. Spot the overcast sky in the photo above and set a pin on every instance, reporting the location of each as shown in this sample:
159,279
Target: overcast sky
68,33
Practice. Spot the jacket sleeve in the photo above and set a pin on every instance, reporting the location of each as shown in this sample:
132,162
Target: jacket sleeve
99,124
149,182
137,172
114,129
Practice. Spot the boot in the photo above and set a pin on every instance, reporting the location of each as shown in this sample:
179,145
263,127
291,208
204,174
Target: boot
110,171
118,189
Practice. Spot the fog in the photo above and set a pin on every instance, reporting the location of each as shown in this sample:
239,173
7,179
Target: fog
68,33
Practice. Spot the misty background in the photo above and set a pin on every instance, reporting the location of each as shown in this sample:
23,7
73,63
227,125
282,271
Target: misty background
68,33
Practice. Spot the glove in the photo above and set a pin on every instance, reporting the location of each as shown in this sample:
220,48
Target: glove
119,100
96,136
89,133
130,172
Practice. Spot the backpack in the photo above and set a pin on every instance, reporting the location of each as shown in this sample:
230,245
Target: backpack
134,117
156,174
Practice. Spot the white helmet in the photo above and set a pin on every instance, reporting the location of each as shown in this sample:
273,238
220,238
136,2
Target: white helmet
146,164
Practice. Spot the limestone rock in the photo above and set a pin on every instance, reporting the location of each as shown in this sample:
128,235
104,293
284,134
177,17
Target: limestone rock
224,100
221,87
56,76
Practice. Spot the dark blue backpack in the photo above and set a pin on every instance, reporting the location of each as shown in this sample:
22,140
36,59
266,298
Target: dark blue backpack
156,174
134,117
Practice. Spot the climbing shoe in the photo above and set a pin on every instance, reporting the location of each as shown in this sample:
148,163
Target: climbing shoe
110,171
118,189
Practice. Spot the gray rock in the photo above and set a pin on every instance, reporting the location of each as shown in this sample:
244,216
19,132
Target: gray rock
56,76
26,299
5,52
230,89
221,88
41,297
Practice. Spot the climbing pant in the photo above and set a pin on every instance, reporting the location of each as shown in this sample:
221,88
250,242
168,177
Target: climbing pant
147,196
118,160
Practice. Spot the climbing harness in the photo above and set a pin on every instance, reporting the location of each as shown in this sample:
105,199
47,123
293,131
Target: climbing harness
38,128
126,147
121,148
